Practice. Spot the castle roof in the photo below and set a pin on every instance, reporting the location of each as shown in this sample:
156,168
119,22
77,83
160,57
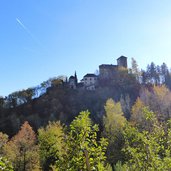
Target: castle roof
108,66
122,57
71,77
90,75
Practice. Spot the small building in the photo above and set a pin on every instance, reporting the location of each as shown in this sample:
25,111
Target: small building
90,81
73,81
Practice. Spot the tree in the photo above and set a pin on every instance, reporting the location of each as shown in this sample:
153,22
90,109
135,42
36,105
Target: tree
3,141
164,72
27,95
159,101
22,150
137,114
144,77
5,164
126,105
135,69
152,74
76,79
114,122
1,101
165,75
51,144
148,149
84,152
120,167
12,100
19,97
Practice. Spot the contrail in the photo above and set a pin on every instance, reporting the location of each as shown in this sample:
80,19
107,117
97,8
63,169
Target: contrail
28,31
22,25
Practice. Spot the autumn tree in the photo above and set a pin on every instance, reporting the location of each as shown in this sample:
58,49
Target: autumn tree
22,150
114,122
3,141
159,100
137,114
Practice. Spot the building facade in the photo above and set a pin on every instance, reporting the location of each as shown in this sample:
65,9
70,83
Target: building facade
90,81
73,81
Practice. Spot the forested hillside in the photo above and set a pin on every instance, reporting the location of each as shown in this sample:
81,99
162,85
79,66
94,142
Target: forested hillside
124,124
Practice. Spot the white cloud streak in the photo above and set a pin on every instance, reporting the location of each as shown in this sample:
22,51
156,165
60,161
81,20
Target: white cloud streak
28,31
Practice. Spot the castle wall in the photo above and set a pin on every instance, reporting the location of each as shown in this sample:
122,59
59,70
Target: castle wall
107,71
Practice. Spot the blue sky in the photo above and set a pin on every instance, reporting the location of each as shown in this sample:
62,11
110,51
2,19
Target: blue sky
42,39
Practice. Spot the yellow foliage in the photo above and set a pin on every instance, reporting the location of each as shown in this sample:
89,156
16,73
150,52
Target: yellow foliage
114,119
137,116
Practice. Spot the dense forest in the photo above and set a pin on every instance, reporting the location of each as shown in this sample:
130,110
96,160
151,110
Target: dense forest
122,125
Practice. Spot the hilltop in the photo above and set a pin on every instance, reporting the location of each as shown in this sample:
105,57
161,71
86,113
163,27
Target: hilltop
62,99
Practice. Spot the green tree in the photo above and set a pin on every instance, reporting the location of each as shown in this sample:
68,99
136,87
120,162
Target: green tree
148,149
153,75
120,167
26,95
5,165
114,122
84,152
51,144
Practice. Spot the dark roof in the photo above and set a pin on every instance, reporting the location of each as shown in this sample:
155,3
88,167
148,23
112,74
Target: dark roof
122,57
71,77
108,66
90,75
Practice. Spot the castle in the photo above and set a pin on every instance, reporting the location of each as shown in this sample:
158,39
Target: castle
106,71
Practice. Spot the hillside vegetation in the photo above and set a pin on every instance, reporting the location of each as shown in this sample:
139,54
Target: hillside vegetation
124,124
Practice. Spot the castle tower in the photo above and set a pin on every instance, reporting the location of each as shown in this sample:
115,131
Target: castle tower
122,61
